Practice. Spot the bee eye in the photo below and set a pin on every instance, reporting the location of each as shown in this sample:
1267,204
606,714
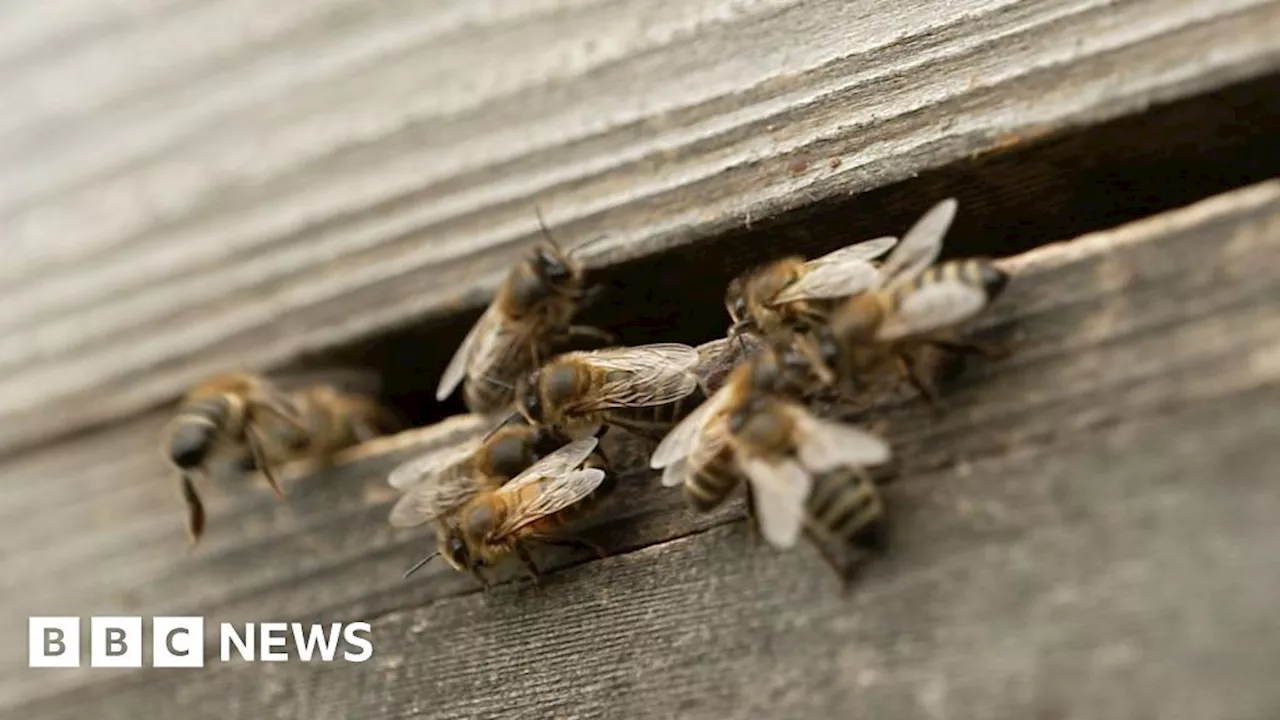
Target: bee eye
529,401
190,444
456,546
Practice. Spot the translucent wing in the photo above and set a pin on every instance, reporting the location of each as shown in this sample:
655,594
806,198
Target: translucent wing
674,473
824,445
482,343
841,273
556,494
920,246
831,280
565,458
933,307
440,494
865,250
682,438
417,470
779,489
647,375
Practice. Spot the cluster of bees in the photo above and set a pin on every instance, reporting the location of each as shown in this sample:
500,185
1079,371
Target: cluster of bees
806,328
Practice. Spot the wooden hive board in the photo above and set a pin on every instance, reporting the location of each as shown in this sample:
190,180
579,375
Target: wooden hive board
188,187
1085,530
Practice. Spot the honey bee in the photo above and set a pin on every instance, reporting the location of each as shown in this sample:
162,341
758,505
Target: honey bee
642,389
792,295
435,487
253,420
913,304
529,315
495,523
749,429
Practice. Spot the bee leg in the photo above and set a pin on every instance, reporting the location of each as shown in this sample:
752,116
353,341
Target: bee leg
527,560
591,296
573,542
593,333
479,575
195,510
753,523
260,459
911,372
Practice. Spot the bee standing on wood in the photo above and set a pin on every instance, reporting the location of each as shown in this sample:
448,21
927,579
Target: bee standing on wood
643,389
436,486
253,420
492,524
530,314
750,429
791,295
912,304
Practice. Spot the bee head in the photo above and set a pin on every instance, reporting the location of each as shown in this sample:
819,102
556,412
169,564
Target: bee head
454,549
552,266
190,444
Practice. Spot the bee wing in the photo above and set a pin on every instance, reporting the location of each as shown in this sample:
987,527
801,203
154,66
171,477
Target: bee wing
682,438
556,494
554,464
933,307
429,501
920,246
413,472
824,445
653,375
674,473
779,489
482,347
831,280
865,250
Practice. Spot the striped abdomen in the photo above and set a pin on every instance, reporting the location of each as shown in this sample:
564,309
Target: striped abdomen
655,421
846,507
974,272
551,523
710,481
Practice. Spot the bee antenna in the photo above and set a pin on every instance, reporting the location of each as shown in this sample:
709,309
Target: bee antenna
421,562
587,244
542,225
512,416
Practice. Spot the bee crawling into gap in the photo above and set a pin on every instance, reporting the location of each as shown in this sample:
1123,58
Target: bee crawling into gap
913,304
529,316
750,430
259,424
793,295
492,524
643,389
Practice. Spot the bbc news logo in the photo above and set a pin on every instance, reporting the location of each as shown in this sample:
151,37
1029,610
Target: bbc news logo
178,642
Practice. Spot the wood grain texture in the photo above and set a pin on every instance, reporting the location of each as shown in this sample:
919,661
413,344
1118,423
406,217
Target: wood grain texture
187,187
1085,530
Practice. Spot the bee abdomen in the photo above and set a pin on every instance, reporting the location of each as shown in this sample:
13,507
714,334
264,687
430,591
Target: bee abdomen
847,506
708,485
586,505
656,421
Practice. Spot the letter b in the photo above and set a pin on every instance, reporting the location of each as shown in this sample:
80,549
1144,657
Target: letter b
53,642
115,642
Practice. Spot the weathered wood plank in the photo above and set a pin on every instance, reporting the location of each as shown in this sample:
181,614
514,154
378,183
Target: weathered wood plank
189,187
1063,543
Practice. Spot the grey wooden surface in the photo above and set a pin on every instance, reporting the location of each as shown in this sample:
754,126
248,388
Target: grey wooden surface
1086,530
186,187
